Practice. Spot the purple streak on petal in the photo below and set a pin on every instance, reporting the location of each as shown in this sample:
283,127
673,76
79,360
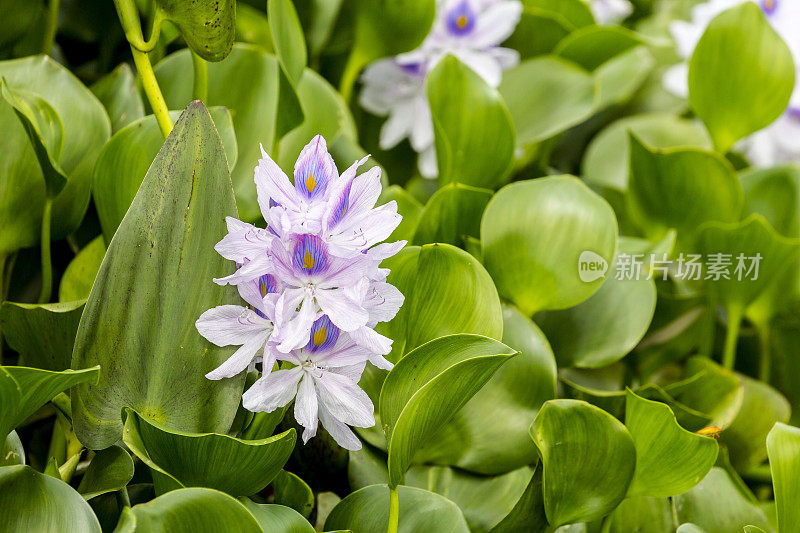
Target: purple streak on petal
793,113
414,69
461,19
309,255
314,170
323,335
342,205
769,6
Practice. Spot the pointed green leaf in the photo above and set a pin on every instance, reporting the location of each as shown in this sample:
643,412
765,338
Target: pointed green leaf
293,492
741,75
642,514
290,47
669,459
11,452
207,26
783,444
534,233
428,386
30,501
110,470
238,467
43,334
528,513
588,457
474,148
76,283
155,280
408,206
24,390
277,518
453,213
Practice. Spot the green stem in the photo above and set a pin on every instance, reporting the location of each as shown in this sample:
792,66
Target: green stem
351,70
200,87
605,525
764,352
394,510
47,267
124,499
709,328
731,337
129,18
3,258
51,26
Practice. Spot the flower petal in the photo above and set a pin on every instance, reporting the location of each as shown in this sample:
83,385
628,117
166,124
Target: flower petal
273,391
273,186
294,328
227,325
237,362
314,170
345,400
305,407
372,340
340,432
346,314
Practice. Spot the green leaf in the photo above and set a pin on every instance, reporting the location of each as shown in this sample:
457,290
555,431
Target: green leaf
189,511
708,388
238,467
158,278
717,506
606,160
489,435
574,13
207,26
538,32
407,206
474,148
591,46
669,459
453,213
367,510
290,47
293,492
783,444
528,513
603,328
750,238
277,518
30,501
11,452
24,390
536,230
588,457
428,386
45,131
43,334
762,407
125,159
110,470
680,188
545,96
76,283
642,514
118,92
741,75
621,76
86,129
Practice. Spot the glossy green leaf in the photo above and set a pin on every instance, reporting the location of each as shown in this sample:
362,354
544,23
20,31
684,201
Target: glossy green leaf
30,501
24,390
528,513
474,148
546,96
642,514
591,46
291,491
538,32
621,76
489,435
783,444
12,452
252,26
43,334
762,407
534,234
110,470
669,459
606,159
290,47
45,131
207,26
588,457
238,467
452,213
76,283
188,511
575,13
22,190
367,511
709,388
118,92
428,386
123,162
407,206
741,75
277,518
603,328
158,277
717,506
680,189
750,238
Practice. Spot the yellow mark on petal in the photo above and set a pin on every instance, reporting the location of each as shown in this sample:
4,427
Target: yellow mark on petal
263,288
310,182
320,336
461,22
308,261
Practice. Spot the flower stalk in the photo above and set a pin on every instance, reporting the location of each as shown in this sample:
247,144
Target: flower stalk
731,337
47,265
200,87
394,510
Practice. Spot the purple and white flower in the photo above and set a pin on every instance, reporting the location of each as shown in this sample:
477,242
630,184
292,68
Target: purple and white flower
610,11
780,141
471,30
314,290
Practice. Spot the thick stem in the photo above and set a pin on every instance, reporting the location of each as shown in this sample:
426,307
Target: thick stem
47,267
200,87
394,510
3,258
350,75
153,91
731,337
51,26
764,352
605,525
123,499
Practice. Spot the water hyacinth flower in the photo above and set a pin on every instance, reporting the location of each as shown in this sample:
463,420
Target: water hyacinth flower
610,11
780,141
314,291
471,30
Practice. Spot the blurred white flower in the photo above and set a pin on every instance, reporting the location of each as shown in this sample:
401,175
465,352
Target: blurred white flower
610,11
780,141
471,30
